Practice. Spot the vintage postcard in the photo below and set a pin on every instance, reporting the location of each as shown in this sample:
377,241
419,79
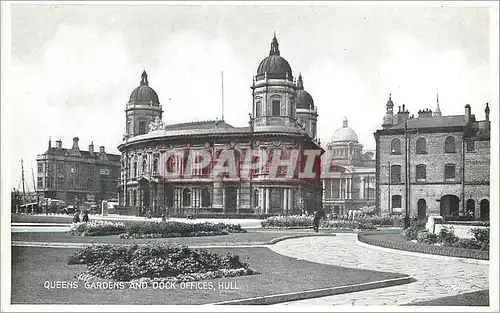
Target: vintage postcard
220,156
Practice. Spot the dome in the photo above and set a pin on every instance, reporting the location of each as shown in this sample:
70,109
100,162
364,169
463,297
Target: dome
344,134
144,93
304,99
274,65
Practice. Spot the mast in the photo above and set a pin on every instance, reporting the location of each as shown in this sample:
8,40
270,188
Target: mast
222,94
34,185
22,179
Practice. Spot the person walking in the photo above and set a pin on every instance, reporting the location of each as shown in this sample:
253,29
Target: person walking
85,216
76,217
320,213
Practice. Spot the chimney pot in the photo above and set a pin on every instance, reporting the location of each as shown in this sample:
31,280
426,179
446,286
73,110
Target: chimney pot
59,144
102,150
91,147
75,143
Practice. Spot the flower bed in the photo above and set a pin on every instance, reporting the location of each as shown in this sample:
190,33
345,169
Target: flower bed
97,228
362,223
446,237
178,229
156,263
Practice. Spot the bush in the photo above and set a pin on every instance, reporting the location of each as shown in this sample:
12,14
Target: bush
395,221
482,235
467,243
424,236
348,225
447,237
290,221
126,263
97,228
178,229
411,233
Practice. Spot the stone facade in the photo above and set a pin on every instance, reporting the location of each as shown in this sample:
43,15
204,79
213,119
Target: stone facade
148,158
348,173
447,158
77,176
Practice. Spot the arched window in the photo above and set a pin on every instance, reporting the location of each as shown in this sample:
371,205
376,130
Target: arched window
276,108
155,166
396,202
395,174
256,198
421,146
135,169
421,208
449,172
421,172
205,198
396,146
449,145
186,197
144,166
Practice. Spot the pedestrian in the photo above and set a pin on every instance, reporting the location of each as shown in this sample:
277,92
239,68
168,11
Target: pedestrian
320,213
164,217
85,216
76,217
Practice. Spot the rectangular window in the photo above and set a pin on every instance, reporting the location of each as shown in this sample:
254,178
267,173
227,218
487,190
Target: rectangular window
60,167
471,145
40,182
40,167
276,108
142,128
396,202
395,174
449,172
421,172
257,109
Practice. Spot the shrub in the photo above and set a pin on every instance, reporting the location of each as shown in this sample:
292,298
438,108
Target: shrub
395,221
424,236
411,233
447,237
482,236
467,243
178,229
348,225
126,263
290,221
97,228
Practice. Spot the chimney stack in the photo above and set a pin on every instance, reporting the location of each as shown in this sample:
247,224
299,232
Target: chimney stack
487,112
50,139
467,113
91,148
75,143
59,144
102,150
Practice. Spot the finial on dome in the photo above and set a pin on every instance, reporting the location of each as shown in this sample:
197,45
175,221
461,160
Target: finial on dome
144,80
274,46
300,83
344,122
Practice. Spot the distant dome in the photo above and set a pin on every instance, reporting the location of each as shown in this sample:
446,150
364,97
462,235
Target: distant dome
344,134
274,65
144,93
304,99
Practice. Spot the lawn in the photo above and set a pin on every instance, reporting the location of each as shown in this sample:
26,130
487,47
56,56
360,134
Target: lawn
31,267
478,298
251,237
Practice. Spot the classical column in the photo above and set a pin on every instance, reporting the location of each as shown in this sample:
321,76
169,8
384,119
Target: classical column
331,188
340,188
290,201
285,198
362,188
238,192
223,199
324,190
261,200
350,188
266,193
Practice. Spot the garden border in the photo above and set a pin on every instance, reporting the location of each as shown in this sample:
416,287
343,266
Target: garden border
424,248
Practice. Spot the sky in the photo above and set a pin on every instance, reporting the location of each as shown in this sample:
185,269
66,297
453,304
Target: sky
72,67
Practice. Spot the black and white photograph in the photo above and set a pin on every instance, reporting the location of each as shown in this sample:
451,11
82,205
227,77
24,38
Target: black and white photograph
249,156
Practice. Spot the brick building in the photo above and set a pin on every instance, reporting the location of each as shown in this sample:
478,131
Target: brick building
448,162
77,176
349,181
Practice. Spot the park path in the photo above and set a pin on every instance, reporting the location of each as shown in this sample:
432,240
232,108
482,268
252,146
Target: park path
436,276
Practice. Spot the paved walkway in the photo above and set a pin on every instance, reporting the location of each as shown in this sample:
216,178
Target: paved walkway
436,277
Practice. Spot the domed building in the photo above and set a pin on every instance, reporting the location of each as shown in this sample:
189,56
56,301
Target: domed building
151,150
349,178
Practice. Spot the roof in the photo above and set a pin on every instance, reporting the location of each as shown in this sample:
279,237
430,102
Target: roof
344,133
434,121
63,152
143,92
198,125
274,66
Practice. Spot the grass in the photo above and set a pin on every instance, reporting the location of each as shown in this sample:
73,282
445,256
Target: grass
477,298
254,237
31,267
